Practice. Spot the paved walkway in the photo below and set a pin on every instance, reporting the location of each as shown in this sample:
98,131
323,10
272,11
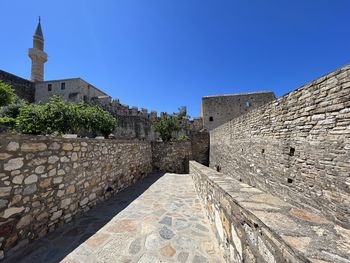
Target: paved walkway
157,220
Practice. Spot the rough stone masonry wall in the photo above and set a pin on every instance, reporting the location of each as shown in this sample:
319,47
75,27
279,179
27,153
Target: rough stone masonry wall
45,181
200,147
171,156
297,147
24,89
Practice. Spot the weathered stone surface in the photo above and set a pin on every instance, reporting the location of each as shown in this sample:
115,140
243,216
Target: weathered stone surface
304,215
11,211
153,242
237,242
18,179
200,259
66,202
167,251
30,189
121,226
182,257
13,164
166,221
40,169
33,147
12,146
4,156
45,182
24,221
3,203
74,157
33,178
70,189
84,201
67,146
53,159
56,215
5,191
57,180
97,240
166,233
135,246
54,146
300,243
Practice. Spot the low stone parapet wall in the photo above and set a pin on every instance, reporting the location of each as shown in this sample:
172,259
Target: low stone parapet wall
254,226
45,181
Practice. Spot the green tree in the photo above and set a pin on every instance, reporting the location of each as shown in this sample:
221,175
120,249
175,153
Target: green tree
166,127
56,116
7,94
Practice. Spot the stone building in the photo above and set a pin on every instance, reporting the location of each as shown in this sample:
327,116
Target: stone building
219,109
74,89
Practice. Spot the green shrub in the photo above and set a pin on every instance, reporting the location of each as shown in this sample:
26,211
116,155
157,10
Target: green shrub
59,117
31,119
13,109
183,138
166,127
7,94
8,121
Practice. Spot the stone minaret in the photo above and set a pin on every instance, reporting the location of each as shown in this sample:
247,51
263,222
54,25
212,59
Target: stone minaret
37,55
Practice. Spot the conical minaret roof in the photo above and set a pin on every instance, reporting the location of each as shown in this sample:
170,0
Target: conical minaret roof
38,31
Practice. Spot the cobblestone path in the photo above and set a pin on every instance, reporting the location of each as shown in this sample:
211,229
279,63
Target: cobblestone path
157,220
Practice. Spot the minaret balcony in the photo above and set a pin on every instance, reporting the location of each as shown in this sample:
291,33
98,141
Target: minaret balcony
37,54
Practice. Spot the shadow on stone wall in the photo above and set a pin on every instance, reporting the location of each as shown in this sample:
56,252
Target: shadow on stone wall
73,234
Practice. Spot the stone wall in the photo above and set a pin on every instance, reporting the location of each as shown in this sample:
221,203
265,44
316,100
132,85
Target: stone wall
297,147
218,109
253,226
200,147
24,88
45,181
171,156
131,127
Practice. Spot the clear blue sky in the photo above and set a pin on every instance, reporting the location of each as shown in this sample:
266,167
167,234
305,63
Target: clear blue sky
162,54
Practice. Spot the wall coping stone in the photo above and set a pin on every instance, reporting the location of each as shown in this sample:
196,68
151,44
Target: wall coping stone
311,237
16,137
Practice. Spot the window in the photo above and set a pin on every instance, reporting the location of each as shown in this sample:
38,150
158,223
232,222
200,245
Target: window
248,104
63,86
211,118
49,87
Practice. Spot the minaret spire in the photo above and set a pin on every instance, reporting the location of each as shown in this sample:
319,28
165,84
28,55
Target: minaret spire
37,54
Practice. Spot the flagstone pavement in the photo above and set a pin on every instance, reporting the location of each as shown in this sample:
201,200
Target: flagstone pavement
159,219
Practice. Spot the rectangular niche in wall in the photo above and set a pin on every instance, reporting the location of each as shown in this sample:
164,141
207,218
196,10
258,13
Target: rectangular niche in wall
291,151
